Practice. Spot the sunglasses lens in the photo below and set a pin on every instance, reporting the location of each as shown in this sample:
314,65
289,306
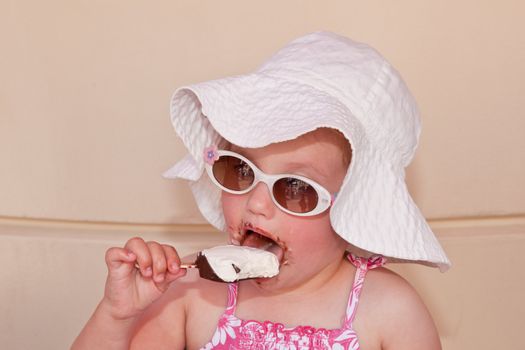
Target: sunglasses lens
233,173
295,195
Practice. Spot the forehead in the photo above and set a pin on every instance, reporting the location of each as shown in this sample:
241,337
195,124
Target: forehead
320,151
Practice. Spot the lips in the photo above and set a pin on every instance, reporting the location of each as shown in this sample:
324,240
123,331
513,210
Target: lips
257,238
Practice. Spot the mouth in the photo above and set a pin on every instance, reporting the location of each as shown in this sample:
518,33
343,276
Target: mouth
258,238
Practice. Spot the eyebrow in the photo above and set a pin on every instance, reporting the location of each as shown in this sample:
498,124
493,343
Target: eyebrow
298,166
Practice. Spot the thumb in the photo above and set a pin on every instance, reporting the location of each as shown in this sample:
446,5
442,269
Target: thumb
170,278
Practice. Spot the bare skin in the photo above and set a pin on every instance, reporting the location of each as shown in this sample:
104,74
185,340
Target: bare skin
170,308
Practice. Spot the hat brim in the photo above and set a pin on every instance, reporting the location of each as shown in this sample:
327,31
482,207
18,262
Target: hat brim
379,215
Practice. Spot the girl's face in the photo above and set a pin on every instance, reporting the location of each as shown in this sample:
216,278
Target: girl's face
305,246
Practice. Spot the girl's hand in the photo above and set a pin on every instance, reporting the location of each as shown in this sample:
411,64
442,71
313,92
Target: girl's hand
138,274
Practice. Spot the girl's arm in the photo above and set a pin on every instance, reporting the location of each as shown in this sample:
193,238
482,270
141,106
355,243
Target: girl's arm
163,325
138,275
102,331
406,323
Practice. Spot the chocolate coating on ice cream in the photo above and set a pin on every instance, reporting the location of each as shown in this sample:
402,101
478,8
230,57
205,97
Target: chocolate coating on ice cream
232,263
206,271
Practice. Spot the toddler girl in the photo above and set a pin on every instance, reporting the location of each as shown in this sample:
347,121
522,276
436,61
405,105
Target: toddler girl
304,158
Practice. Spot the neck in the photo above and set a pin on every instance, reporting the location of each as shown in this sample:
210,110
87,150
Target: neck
320,299
313,285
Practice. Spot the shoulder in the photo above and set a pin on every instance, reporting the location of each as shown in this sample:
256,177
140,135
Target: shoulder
187,313
397,312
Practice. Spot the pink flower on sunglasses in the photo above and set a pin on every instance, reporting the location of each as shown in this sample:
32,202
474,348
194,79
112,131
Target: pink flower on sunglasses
211,154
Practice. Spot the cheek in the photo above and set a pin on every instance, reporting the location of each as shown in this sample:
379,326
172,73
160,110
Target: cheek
231,207
317,231
319,235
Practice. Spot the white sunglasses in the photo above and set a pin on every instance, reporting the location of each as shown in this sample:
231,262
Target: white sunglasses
293,194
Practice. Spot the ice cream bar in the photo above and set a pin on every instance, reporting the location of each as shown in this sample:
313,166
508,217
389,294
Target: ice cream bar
232,263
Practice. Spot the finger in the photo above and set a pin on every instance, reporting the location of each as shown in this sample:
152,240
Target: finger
142,252
116,256
170,277
172,258
158,261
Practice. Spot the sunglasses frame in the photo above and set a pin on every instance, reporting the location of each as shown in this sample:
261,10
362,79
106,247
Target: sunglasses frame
324,197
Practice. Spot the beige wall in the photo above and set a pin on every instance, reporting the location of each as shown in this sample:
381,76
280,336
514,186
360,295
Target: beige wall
84,136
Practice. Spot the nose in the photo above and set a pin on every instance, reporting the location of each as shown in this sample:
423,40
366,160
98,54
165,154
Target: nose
260,201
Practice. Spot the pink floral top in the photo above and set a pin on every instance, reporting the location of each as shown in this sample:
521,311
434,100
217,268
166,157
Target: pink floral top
233,333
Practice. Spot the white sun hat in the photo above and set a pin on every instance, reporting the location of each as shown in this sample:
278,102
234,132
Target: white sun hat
319,80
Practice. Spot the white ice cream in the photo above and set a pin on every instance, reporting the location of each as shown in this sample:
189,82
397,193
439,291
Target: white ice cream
251,262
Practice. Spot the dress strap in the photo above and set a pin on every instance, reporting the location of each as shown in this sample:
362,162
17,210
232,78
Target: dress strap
232,298
362,265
